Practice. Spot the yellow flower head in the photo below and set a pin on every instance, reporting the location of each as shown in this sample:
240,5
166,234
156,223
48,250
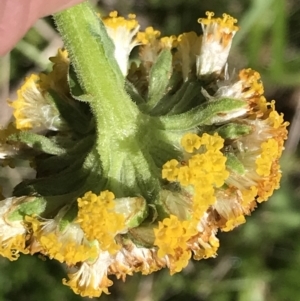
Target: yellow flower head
204,169
151,46
123,34
57,79
91,278
216,43
67,245
13,234
178,240
188,46
98,220
190,142
170,170
259,152
32,110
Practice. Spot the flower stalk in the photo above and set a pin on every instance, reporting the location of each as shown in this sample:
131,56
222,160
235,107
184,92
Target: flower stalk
96,68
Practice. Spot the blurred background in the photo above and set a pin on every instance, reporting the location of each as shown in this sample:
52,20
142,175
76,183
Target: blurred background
258,261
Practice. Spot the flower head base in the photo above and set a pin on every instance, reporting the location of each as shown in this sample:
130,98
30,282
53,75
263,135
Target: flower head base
186,149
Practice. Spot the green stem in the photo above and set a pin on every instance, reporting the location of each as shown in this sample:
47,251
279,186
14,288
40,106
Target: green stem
126,166
91,53
118,120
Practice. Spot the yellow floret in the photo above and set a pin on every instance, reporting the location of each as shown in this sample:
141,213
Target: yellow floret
252,81
170,170
171,238
268,155
190,142
213,143
249,195
232,223
168,42
180,261
184,175
115,21
226,22
148,36
203,198
275,118
13,246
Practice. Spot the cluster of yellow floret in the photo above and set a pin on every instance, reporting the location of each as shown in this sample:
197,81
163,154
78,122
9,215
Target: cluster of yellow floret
204,169
98,220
